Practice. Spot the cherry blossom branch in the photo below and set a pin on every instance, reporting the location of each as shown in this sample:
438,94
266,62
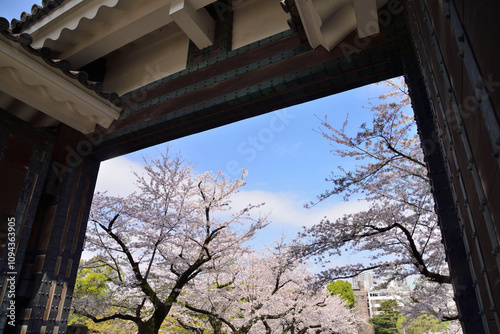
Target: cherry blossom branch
401,154
190,328
435,277
144,285
211,314
111,317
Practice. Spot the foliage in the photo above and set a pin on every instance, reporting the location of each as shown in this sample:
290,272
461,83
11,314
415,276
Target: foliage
400,230
178,227
266,293
344,290
387,320
424,323
92,280
432,299
453,327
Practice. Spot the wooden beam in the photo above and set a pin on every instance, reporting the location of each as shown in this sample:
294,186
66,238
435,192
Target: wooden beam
366,17
142,18
198,25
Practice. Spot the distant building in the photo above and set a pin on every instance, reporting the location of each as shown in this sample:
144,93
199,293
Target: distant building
369,295
367,279
375,299
399,291
361,298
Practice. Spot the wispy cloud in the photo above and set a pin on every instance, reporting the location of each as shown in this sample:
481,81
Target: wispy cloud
284,208
292,150
287,208
116,177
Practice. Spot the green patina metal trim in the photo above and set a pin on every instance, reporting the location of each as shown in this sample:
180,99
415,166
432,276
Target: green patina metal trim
208,62
275,85
219,78
223,34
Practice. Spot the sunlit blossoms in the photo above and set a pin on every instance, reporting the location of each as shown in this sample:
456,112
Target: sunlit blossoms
266,293
163,237
174,255
400,233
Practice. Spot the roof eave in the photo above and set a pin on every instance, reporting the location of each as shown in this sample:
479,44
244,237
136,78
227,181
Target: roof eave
27,79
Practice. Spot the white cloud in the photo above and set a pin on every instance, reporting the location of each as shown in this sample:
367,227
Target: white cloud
87,255
285,208
288,208
292,150
116,177
287,212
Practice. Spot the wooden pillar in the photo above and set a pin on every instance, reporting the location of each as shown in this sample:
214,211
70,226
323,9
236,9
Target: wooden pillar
462,273
24,164
461,77
53,202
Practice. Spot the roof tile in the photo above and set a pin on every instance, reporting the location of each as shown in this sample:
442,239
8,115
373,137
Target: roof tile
37,12
63,65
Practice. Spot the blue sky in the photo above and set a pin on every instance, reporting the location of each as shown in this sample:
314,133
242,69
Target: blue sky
11,9
286,159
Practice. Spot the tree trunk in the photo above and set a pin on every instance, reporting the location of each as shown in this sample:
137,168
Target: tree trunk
152,326
146,328
216,325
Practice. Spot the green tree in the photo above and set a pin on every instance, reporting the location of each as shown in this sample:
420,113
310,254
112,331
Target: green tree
93,277
387,320
92,282
343,289
424,323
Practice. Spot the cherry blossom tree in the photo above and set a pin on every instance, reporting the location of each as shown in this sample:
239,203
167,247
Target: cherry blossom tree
178,227
266,293
431,299
399,233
